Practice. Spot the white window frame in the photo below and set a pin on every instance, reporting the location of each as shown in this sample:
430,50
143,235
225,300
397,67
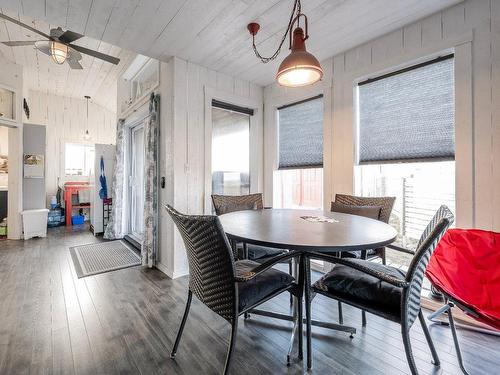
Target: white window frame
68,177
271,132
461,47
271,146
247,117
256,140
358,125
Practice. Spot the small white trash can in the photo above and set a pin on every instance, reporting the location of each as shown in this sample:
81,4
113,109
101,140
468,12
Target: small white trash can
35,223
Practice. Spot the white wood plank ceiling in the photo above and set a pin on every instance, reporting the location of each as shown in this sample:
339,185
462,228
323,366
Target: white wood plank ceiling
213,33
97,79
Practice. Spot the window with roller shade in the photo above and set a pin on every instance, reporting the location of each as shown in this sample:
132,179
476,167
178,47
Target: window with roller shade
298,182
408,115
300,134
406,148
230,150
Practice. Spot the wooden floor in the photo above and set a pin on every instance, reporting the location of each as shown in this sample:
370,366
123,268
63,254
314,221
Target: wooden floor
125,322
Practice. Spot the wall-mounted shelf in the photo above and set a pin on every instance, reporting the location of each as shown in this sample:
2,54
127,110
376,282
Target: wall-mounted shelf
137,83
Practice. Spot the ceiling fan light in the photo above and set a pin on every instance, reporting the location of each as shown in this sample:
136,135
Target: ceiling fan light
58,52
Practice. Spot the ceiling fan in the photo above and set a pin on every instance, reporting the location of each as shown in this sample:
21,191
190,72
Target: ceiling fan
58,45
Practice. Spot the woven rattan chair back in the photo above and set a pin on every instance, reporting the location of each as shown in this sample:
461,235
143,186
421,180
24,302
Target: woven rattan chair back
386,203
224,204
434,231
211,262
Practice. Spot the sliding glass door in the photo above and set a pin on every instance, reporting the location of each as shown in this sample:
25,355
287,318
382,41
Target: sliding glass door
136,181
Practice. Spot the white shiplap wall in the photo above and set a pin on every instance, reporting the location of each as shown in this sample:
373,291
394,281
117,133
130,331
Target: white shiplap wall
66,120
470,29
184,88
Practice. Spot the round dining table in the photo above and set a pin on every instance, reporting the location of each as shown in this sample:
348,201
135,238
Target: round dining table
306,231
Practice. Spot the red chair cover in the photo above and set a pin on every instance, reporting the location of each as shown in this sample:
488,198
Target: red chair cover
466,267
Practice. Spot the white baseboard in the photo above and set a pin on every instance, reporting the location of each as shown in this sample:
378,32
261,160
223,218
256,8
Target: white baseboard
162,268
170,273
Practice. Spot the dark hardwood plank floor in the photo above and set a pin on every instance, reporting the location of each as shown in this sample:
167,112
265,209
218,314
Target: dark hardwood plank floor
124,322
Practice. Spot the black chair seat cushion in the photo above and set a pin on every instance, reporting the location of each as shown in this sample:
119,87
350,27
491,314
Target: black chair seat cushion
256,252
363,289
254,290
356,254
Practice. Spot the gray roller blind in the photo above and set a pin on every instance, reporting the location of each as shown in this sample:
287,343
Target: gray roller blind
408,116
301,134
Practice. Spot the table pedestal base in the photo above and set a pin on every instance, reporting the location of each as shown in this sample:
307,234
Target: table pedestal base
334,326
290,318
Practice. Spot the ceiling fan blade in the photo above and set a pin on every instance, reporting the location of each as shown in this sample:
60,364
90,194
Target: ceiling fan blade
43,46
20,43
99,55
69,36
13,20
74,54
73,64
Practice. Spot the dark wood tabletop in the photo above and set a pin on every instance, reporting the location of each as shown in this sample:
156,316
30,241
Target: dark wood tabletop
286,229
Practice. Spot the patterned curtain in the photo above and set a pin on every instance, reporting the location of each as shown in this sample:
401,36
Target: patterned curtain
151,139
115,228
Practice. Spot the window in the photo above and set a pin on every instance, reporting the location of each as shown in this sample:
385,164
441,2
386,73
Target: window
7,104
300,134
298,182
78,159
230,151
298,188
406,145
409,115
419,188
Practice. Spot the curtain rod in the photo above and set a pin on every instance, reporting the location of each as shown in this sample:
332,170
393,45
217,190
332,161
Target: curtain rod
300,102
232,107
410,68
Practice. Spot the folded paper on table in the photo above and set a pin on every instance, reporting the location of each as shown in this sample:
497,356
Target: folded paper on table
319,219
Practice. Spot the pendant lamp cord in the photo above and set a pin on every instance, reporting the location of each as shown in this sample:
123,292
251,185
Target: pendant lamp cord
87,127
87,113
295,12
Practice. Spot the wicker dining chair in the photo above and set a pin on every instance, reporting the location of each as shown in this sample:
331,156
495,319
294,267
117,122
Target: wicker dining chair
382,290
228,287
378,208
224,204
385,203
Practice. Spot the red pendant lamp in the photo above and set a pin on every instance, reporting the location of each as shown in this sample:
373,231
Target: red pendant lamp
299,68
